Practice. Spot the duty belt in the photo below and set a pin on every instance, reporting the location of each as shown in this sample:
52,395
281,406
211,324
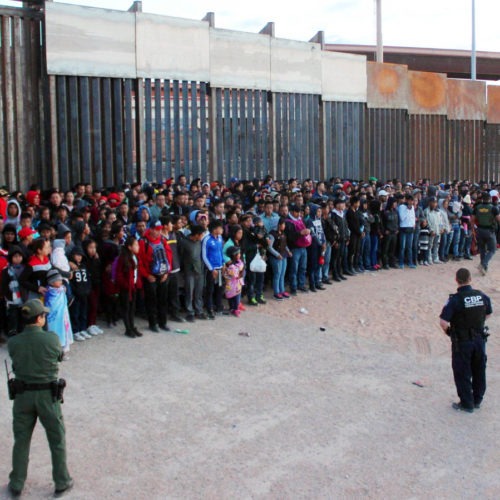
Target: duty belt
37,387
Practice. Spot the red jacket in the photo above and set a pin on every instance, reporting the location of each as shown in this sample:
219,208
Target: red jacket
125,276
146,253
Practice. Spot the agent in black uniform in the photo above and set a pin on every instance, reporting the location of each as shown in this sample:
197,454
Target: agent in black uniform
462,318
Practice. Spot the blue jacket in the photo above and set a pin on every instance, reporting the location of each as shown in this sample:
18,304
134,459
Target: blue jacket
211,252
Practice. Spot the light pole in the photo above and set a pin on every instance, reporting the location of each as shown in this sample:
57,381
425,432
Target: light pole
473,55
380,49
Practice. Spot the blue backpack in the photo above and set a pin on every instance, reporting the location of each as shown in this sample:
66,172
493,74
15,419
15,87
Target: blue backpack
159,264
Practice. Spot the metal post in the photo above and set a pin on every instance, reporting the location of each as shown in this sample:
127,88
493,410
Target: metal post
380,49
473,56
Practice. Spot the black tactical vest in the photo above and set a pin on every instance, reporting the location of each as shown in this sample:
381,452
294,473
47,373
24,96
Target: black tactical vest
484,216
469,321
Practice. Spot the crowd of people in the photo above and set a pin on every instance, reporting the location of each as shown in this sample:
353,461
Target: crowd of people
177,250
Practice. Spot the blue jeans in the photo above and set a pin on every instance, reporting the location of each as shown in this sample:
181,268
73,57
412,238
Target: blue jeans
279,271
364,253
414,247
487,245
298,268
374,241
455,239
405,245
444,245
325,268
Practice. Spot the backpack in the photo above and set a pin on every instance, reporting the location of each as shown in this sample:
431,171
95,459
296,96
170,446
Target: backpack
304,240
159,264
114,269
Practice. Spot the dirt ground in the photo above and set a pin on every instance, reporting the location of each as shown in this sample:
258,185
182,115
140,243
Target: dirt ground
290,411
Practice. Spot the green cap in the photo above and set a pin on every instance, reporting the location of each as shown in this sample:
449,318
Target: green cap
34,307
373,179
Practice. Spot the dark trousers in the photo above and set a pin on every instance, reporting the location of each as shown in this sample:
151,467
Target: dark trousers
14,321
127,306
255,284
214,290
353,251
337,257
234,302
92,306
174,305
78,314
389,249
155,297
468,360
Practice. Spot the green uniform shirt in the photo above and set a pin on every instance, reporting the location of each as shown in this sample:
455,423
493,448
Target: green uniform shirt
35,354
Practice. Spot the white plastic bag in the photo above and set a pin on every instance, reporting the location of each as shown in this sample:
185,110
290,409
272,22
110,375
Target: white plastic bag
258,264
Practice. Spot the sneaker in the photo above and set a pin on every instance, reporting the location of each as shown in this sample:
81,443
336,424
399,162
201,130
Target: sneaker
285,295
92,331
436,261
164,328
85,335
261,300
99,331
460,407
210,315
401,266
253,302
190,318
426,263
78,337
236,312
293,292
412,266
154,329
201,316
303,289
278,296
241,307
320,287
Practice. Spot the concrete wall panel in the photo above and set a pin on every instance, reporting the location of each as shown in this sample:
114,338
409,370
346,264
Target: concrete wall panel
295,66
343,77
240,60
466,100
169,47
427,93
387,85
493,104
89,42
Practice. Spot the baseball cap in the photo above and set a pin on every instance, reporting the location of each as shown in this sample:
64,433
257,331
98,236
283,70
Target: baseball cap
383,192
53,275
33,307
25,232
157,225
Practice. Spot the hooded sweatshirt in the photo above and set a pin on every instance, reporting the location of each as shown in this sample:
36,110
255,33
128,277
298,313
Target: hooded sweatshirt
14,220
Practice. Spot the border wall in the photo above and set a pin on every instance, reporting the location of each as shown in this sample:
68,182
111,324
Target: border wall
107,96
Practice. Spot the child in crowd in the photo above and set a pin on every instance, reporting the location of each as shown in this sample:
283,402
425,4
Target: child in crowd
128,281
81,286
11,291
94,270
423,243
233,275
58,318
60,262
193,273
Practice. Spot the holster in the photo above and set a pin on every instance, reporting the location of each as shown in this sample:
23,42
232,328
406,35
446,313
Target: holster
15,387
57,388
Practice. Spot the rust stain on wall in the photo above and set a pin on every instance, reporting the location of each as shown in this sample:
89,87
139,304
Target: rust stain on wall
493,104
427,93
387,85
466,100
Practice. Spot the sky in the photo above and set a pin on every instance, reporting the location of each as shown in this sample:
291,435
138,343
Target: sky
442,24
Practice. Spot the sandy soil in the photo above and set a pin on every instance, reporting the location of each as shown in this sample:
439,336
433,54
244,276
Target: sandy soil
288,412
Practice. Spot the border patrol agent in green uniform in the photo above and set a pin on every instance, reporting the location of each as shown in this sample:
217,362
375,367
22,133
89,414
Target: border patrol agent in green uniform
37,394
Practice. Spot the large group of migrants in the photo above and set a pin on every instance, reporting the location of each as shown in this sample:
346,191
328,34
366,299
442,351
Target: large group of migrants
176,250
